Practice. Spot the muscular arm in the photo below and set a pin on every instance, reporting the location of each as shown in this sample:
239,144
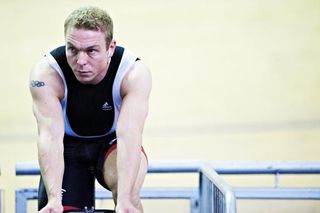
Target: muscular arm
46,88
135,90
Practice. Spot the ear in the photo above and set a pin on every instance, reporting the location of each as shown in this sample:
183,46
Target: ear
112,48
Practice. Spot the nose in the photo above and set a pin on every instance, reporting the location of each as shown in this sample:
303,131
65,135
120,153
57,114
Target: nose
82,58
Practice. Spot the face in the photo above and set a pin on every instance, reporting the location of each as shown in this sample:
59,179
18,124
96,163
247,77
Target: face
88,54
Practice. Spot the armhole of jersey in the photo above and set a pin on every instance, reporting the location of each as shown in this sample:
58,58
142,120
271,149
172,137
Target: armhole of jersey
127,61
54,64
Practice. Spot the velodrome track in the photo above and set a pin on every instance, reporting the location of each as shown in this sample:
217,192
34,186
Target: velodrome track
232,80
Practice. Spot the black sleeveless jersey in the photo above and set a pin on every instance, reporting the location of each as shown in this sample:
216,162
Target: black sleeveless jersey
91,111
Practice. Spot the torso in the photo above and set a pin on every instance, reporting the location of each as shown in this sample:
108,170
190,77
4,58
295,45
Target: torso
91,111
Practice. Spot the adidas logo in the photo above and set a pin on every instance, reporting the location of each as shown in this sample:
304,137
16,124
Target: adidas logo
106,106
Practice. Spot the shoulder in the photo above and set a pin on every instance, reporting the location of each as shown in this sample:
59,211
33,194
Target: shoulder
44,76
138,71
138,78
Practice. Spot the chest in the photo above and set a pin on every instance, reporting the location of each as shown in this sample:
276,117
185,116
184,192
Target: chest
90,109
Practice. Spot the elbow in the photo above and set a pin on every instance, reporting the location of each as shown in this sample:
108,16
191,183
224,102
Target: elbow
49,143
130,131
129,135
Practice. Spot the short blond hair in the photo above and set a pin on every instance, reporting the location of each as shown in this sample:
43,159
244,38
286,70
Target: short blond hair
91,18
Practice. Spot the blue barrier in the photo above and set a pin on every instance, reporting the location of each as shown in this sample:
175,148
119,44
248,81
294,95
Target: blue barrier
215,196
192,194
0,196
275,168
23,195
226,167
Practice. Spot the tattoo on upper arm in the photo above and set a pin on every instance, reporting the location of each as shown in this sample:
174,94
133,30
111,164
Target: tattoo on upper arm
37,83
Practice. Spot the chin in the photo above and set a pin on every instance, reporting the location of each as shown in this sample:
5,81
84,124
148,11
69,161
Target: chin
84,80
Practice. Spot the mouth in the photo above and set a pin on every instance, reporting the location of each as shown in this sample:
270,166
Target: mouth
83,73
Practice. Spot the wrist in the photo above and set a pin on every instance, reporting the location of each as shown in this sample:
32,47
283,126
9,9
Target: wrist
55,201
123,198
56,197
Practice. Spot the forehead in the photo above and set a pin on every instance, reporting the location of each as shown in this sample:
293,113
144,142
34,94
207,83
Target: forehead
80,37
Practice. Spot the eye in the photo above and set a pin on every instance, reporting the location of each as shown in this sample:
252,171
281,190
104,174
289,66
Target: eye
92,52
72,50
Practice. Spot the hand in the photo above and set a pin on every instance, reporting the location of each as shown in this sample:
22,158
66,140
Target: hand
52,207
126,208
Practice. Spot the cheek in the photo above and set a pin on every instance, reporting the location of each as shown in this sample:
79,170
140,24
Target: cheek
101,63
70,60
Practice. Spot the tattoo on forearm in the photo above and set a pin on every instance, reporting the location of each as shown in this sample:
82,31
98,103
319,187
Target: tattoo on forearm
37,83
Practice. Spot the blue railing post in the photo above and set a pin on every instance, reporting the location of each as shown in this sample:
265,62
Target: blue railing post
212,169
1,201
194,205
1,196
22,196
215,195
21,202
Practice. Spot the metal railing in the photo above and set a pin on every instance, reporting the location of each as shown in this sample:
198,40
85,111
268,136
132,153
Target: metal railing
1,197
276,168
188,193
216,196
1,201
224,167
23,195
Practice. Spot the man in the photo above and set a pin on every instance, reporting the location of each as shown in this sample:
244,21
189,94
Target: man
90,100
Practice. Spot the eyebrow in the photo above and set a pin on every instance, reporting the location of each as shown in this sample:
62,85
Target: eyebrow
89,47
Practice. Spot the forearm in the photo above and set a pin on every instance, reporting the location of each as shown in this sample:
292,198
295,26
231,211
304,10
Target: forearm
135,90
50,155
128,163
